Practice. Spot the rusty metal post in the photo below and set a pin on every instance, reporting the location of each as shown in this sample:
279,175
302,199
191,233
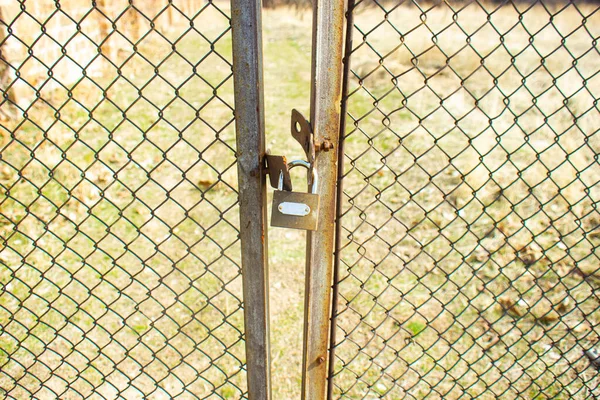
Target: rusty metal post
328,27
339,195
250,133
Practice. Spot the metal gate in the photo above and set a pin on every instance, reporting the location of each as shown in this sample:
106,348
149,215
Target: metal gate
462,164
468,222
120,252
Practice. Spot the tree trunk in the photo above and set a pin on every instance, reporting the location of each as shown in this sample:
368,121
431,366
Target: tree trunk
104,28
8,101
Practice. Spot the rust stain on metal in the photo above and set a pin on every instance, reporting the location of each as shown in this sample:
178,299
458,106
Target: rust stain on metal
324,145
276,167
349,27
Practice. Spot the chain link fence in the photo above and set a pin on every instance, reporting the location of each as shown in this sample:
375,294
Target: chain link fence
119,252
469,262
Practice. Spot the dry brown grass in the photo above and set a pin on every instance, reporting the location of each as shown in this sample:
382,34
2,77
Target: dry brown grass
445,284
471,192
120,256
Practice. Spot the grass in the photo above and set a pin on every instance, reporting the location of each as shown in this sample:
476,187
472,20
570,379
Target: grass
468,204
120,259
469,261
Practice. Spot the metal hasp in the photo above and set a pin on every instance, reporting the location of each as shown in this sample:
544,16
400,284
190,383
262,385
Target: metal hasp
250,139
302,132
276,169
328,26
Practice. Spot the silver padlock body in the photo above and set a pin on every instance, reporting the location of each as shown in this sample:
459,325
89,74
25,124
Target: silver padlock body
291,201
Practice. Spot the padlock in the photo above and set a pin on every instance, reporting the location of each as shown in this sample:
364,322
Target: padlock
296,210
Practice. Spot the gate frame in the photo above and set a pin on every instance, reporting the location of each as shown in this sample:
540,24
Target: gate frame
325,100
246,25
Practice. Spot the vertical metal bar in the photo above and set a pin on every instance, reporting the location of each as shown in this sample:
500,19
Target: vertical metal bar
339,195
328,26
249,113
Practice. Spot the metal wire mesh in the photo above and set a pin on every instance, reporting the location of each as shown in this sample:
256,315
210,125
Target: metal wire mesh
469,263
119,259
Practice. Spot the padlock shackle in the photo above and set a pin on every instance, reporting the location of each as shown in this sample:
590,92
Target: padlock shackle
305,164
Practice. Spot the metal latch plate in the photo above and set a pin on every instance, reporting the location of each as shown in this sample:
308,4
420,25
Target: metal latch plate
298,209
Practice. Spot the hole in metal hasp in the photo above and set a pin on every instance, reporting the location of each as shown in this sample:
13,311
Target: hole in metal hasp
302,132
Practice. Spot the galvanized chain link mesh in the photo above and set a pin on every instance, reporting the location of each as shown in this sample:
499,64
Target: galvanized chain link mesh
470,262
119,253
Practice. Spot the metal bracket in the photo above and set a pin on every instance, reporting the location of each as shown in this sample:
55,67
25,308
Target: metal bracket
302,132
276,166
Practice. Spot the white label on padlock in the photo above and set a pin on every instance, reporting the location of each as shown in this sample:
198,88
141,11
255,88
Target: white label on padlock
297,209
